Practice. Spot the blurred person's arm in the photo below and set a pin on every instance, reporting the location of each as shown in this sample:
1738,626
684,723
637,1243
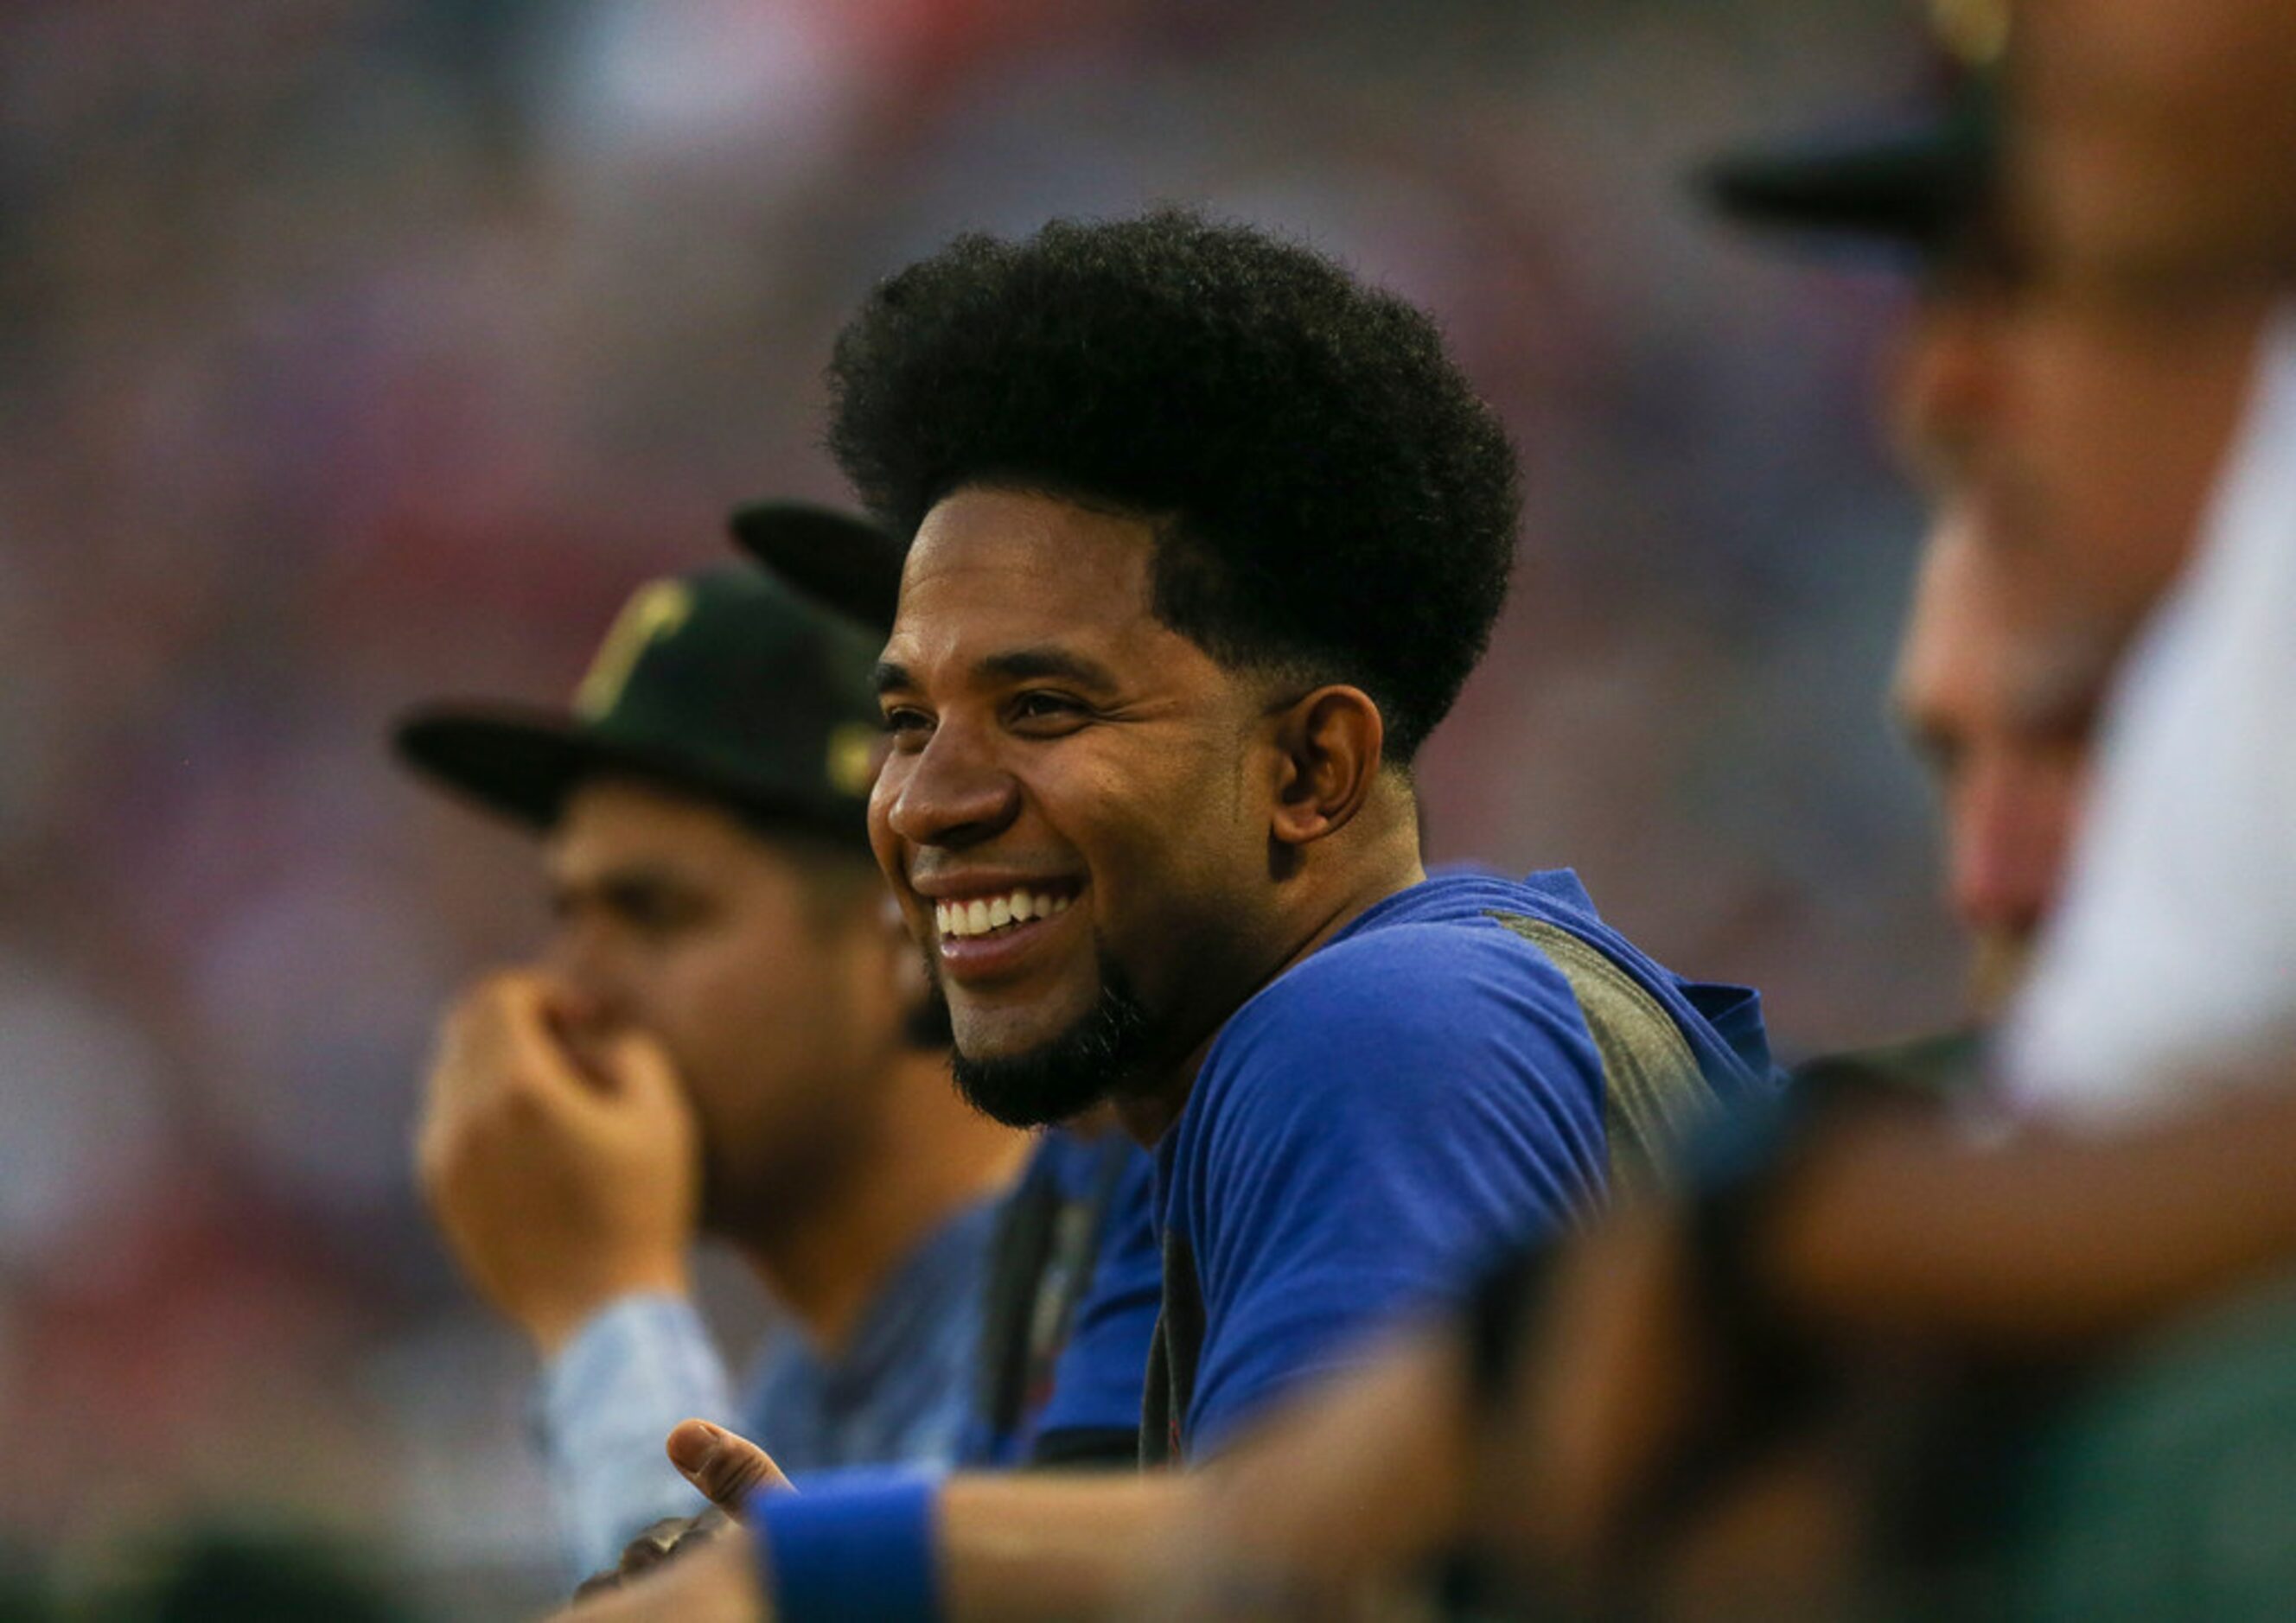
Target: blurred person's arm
2047,1246
1669,1339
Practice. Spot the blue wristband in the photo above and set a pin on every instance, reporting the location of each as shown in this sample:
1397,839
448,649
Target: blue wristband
860,1550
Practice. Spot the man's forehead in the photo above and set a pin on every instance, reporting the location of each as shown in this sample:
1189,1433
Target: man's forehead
980,533
993,570
617,817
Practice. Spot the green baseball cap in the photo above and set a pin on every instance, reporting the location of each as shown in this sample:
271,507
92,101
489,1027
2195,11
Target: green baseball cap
1917,180
724,681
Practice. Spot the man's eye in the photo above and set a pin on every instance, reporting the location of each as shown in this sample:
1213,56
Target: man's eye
906,726
1045,708
655,913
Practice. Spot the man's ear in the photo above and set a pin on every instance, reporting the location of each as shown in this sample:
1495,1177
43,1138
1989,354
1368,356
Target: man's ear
1328,746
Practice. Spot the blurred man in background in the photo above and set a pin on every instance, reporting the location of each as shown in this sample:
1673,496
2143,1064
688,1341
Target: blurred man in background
2150,203
2157,166
722,1037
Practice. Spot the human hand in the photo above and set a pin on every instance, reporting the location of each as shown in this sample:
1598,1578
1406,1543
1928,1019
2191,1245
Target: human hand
717,1583
673,1535
725,1469
563,1177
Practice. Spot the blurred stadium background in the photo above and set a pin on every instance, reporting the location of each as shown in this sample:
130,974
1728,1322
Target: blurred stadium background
359,351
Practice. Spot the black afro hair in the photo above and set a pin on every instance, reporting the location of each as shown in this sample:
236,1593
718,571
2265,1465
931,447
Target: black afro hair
1334,500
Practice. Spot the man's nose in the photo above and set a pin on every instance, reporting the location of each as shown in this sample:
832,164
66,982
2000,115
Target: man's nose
954,791
591,989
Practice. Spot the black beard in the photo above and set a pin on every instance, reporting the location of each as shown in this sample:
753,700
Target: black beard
1092,1060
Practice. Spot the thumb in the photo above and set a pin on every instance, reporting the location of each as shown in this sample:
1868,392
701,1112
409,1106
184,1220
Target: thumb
727,1469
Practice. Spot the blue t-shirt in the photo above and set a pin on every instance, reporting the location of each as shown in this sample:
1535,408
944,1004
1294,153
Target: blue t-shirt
1379,1124
899,1392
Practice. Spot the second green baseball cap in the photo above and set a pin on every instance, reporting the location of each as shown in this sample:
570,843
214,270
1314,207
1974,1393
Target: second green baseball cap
722,681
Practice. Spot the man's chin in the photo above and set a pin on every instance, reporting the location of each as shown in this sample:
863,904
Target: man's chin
1025,1084
1021,1094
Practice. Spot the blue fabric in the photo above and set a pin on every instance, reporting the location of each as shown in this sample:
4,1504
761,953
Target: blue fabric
1378,1124
900,1389
1097,1381
860,1554
900,1394
606,1403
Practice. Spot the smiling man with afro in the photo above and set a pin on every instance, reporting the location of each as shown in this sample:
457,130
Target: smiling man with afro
1204,536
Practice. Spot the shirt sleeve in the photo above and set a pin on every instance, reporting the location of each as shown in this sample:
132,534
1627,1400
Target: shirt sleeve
607,1401
1379,1124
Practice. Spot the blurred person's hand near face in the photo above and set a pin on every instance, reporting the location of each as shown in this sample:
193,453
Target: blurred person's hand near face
560,1161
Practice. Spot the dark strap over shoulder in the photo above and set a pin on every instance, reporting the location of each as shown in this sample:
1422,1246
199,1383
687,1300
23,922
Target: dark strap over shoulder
1652,1091
1041,1264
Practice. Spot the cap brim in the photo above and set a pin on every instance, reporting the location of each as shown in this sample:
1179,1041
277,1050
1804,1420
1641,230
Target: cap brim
518,763
1916,185
843,563
522,764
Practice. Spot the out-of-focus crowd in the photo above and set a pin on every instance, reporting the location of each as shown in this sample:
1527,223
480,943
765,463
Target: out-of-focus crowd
360,351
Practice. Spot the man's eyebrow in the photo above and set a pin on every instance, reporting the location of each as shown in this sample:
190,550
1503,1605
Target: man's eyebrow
1014,664
1031,664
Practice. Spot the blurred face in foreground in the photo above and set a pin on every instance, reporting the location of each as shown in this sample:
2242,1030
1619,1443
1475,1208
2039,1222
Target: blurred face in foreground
2156,139
2005,732
1075,812
2081,436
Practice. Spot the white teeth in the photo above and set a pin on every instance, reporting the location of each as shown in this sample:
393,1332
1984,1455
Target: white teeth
959,920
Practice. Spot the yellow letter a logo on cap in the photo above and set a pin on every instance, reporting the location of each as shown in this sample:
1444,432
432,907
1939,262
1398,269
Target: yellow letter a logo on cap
657,610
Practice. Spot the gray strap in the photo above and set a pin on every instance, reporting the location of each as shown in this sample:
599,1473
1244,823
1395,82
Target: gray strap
1652,1091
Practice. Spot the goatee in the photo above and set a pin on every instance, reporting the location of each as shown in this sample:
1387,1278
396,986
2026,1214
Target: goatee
1092,1060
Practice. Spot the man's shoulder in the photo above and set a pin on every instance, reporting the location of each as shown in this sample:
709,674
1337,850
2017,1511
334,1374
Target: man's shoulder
1416,971
1419,1007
